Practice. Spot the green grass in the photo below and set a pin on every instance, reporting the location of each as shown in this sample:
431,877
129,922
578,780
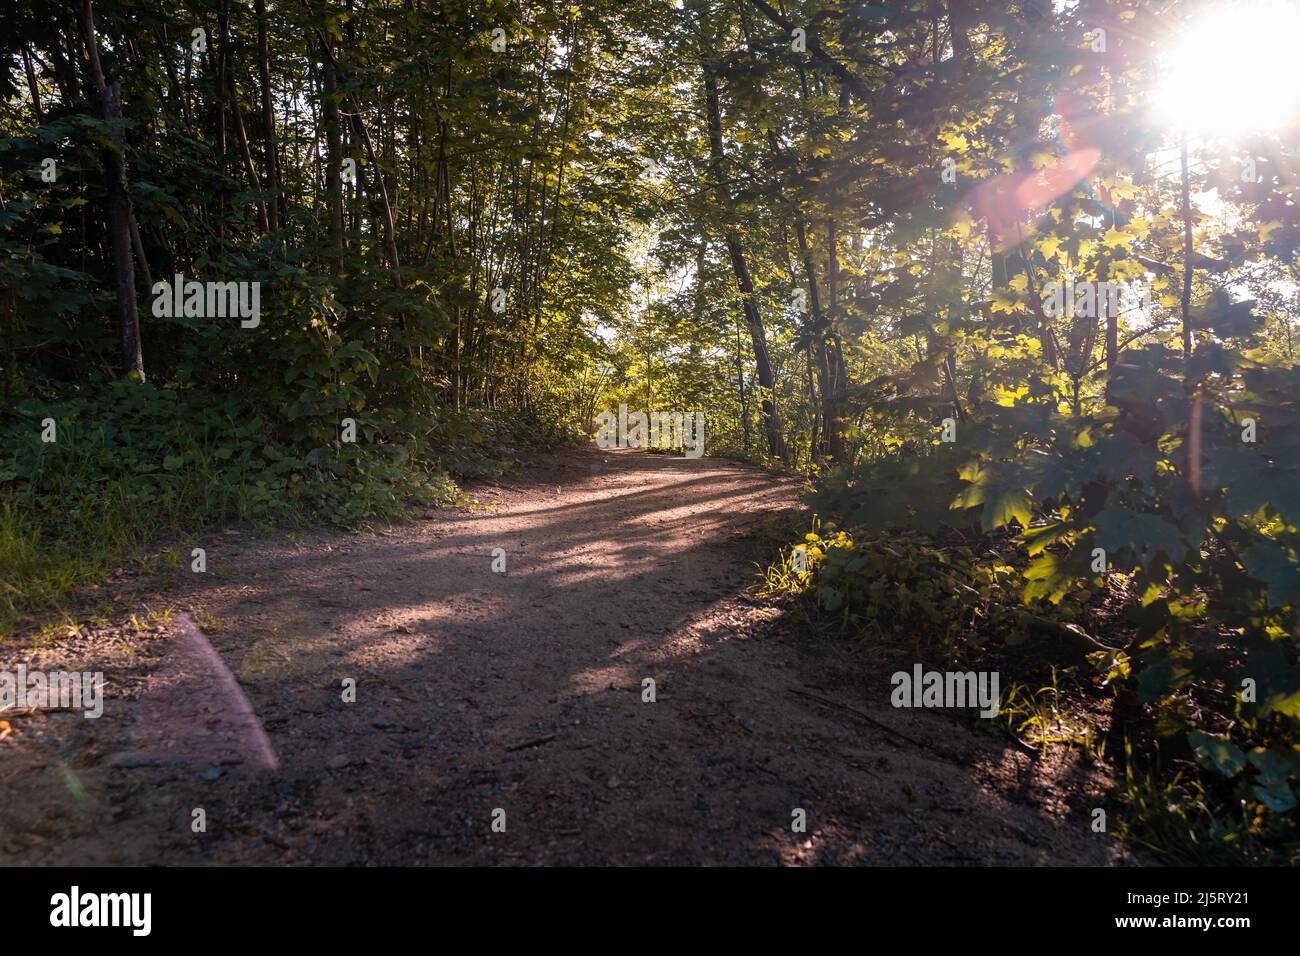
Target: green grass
1036,719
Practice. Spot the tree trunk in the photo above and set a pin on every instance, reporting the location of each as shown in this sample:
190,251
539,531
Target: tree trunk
271,161
390,234
333,153
32,88
119,207
740,267
1185,300
263,218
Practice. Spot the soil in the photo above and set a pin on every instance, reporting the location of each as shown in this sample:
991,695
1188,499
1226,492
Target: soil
518,697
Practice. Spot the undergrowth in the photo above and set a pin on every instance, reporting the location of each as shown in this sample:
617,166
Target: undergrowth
1214,795
132,467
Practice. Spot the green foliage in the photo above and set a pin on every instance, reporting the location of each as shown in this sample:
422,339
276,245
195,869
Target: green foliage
1197,529
134,464
896,585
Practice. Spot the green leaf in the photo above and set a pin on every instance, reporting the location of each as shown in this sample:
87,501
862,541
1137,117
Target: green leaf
1216,752
1036,539
1279,799
829,598
1005,505
1048,578
1283,703
1155,681
1277,567
1273,786
1146,535
1001,493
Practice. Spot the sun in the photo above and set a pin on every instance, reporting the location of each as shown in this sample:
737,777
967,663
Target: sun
1234,70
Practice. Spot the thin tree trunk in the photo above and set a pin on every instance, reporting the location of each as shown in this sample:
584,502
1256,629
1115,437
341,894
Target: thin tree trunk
837,379
263,218
740,267
1186,299
32,88
138,244
1193,387
173,79
271,160
222,49
390,229
119,207
740,384
1112,338
333,153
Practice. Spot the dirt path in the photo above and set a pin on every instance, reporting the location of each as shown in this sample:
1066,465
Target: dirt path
519,691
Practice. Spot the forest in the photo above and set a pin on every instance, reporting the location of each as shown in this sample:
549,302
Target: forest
1006,291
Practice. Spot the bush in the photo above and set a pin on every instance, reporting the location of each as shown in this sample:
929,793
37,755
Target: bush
1176,499
133,463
